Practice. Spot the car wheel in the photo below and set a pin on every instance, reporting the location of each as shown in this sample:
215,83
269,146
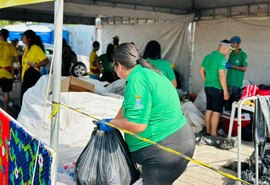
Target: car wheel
78,69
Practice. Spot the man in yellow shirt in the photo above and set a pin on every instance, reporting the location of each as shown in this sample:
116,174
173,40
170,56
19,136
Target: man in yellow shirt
7,53
94,68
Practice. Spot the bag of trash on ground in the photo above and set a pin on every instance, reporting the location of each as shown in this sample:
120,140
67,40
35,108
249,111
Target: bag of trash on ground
105,160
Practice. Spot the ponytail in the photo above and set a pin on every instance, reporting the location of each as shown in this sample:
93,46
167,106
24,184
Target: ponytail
33,38
39,43
144,63
128,55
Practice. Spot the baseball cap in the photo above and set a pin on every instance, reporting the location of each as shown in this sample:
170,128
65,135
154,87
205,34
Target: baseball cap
227,43
116,37
235,39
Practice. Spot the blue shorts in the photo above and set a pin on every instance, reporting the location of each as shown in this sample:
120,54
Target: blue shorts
93,76
214,99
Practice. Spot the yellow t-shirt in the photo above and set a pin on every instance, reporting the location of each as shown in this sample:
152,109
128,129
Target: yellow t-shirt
34,55
94,70
7,52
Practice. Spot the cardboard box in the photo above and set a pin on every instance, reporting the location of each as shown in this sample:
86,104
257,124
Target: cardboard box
73,84
245,120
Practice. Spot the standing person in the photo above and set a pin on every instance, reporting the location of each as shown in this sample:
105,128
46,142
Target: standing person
116,41
213,74
105,64
151,109
68,57
152,53
94,69
7,53
237,66
33,58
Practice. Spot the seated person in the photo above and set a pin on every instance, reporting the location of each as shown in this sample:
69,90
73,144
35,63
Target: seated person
104,62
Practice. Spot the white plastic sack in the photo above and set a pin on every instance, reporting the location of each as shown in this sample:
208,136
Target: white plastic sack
105,88
200,101
75,129
194,121
117,87
194,117
189,106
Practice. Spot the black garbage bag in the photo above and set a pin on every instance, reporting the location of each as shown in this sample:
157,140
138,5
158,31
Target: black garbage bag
105,161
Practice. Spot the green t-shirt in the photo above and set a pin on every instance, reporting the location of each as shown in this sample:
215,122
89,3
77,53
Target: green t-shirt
151,99
235,77
212,63
105,62
165,67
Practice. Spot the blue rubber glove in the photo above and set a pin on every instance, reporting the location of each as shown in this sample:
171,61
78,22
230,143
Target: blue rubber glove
102,126
228,65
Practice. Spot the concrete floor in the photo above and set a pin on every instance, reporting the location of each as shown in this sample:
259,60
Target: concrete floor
194,174
14,103
199,175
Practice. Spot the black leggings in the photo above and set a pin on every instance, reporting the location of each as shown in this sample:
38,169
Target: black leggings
31,76
160,167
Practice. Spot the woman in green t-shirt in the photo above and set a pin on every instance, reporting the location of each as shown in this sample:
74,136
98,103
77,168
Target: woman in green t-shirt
152,54
104,62
151,109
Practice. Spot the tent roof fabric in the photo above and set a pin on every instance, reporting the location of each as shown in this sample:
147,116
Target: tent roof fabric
85,11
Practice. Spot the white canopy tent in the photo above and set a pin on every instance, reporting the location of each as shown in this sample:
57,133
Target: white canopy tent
167,22
255,42
171,30
172,36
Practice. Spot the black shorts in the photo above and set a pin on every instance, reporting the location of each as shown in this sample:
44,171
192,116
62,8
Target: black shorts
6,84
214,99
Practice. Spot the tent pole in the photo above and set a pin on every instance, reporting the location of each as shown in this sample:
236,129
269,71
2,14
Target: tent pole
56,82
99,33
192,32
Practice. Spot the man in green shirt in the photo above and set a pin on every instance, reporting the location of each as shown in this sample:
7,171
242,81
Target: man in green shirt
213,74
237,66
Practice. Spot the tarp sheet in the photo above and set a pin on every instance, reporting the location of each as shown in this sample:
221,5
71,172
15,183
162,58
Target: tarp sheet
253,33
172,36
9,3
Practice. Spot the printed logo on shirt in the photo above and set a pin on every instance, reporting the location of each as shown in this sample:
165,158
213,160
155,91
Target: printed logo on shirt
224,62
237,62
138,102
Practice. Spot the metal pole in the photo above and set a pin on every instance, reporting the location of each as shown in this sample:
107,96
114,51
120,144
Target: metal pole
239,114
192,32
257,163
99,33
56,82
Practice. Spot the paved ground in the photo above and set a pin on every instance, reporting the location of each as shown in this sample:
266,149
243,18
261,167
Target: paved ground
199,175
195,174
14,104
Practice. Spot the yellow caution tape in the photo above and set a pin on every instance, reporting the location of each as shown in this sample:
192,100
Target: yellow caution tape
55,110
154,143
